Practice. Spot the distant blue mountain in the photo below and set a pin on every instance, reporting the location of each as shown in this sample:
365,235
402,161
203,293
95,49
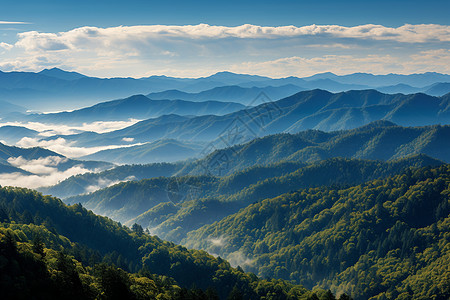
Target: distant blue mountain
415,80
61,74
13,134
438,89
7,108
230,78
159,151
44,90
317,109
400,88
135,107
246,96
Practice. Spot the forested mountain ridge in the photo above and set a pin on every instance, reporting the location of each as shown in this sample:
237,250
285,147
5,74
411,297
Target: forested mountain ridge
172,207
384,239
381,140
48,249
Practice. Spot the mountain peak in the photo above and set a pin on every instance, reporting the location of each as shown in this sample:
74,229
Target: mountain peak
61,74
234,78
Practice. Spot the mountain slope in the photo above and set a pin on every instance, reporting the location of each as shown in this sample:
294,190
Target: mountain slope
7,108
438,89
193,201
386,239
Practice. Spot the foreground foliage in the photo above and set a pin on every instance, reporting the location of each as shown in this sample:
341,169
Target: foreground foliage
52,251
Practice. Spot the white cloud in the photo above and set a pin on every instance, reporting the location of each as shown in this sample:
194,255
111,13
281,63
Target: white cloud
217,242
128,139
104,182
59,129
133,37
237,258
66,148
45,172
41,166
12,23
424,61
35,181
5,46
198,50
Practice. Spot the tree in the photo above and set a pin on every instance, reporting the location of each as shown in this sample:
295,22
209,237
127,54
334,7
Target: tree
115,282
235,294
38,246
344,296
328,296
137,229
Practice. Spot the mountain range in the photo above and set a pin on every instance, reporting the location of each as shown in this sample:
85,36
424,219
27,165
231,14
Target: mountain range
42,91
280,188
317,109
235,93
172,207
380,140
135,107
262,168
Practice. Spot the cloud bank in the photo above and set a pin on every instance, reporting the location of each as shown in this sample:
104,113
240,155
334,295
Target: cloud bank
45,172
104,182
66,148
131,37
196,50
47,129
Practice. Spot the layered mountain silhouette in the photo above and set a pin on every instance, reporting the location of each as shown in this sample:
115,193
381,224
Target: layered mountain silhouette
246,96
172,207
380,140
316,109
44,90
12,134
159,151
134,107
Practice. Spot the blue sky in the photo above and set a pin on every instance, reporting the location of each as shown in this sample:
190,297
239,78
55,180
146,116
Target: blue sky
26,46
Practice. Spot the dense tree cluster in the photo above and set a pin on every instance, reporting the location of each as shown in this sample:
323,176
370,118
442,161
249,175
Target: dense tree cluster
385,239
174,206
